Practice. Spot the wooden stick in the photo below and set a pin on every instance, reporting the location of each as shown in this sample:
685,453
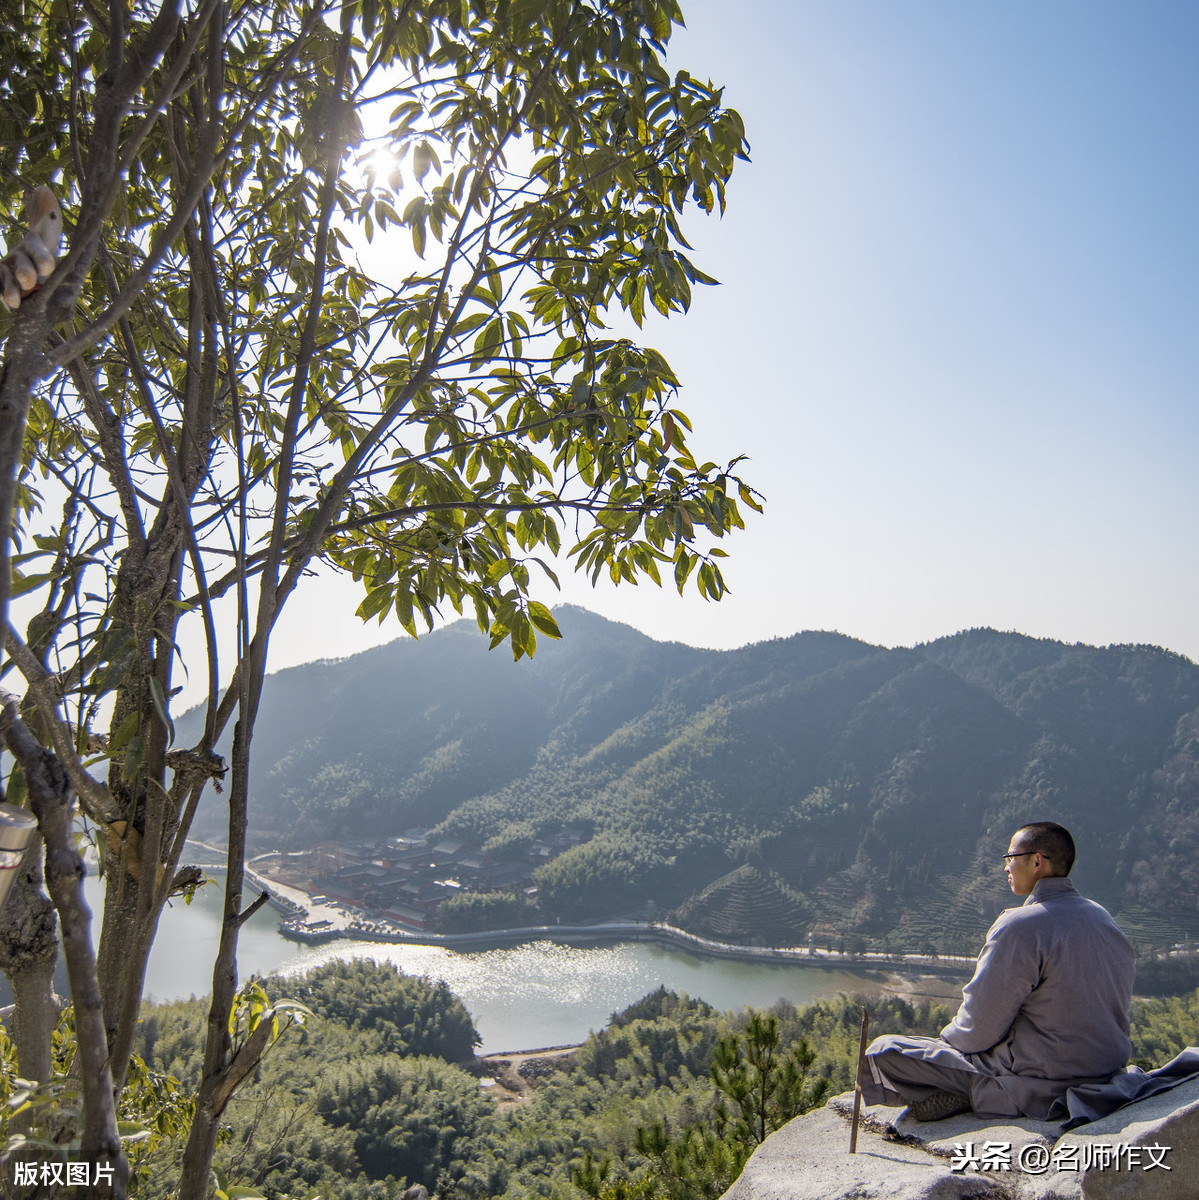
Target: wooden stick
857,1091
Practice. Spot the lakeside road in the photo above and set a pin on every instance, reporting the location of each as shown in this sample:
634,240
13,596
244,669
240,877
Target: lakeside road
897,969
525,991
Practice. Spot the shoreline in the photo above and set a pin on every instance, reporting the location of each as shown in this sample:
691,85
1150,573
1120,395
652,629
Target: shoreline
340,927
899,971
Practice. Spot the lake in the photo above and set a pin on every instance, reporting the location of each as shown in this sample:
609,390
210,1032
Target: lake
521,997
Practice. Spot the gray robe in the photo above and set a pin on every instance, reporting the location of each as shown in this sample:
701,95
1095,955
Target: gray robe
1047,1009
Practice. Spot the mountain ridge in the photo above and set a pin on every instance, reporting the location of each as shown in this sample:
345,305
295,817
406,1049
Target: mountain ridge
876,785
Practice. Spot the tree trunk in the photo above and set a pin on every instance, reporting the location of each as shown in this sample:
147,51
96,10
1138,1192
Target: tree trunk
214,1094
28,954
121,965
146,587
53,803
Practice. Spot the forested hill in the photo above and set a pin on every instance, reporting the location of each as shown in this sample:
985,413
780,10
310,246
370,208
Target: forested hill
807,784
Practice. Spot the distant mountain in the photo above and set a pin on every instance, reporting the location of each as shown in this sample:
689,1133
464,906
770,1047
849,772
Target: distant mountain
872,791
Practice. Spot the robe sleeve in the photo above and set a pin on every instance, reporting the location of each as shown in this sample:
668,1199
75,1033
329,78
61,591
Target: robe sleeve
1008,970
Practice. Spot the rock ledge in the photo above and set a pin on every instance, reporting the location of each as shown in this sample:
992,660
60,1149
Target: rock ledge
966,1157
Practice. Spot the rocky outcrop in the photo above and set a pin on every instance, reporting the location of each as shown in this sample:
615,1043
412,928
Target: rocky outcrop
1145,1151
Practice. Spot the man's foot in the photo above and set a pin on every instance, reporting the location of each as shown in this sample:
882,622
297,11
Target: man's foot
939,1105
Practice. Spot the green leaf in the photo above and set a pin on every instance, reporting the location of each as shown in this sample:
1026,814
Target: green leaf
543,619
28,583
131,1132
682,569
470,323
127,728
376,602
160,707
17,789
119,653
135,752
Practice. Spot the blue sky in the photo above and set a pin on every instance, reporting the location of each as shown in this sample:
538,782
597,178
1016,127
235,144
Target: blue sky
957,332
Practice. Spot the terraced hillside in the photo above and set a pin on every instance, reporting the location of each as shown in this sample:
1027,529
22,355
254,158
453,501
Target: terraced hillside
747,907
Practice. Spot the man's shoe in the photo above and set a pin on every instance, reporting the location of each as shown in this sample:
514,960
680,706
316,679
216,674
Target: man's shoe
939,1105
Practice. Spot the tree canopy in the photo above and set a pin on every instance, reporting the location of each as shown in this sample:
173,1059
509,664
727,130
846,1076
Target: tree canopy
345,284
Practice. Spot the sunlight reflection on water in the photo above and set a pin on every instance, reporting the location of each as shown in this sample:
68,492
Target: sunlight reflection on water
521,997
543,994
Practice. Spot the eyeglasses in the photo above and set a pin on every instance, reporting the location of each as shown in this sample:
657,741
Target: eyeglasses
1019,854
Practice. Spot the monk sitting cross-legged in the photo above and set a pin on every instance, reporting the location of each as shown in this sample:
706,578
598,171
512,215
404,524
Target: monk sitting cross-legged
1047,1009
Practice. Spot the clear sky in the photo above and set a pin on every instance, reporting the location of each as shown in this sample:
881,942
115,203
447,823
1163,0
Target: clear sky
957,332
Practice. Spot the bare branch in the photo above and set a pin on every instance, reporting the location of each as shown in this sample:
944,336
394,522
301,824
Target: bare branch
246,1060
252,908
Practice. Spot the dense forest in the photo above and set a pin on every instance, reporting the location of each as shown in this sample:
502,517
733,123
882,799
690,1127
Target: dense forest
812,785
379,1089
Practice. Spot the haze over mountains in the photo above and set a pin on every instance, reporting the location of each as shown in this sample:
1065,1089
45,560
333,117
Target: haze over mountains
806,785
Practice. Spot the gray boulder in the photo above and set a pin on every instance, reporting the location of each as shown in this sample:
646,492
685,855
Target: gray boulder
1118,1158
1142,1170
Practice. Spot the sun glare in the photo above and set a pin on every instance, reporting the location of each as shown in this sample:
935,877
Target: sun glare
380,168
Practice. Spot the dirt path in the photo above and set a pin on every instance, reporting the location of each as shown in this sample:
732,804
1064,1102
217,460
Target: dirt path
514,1076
